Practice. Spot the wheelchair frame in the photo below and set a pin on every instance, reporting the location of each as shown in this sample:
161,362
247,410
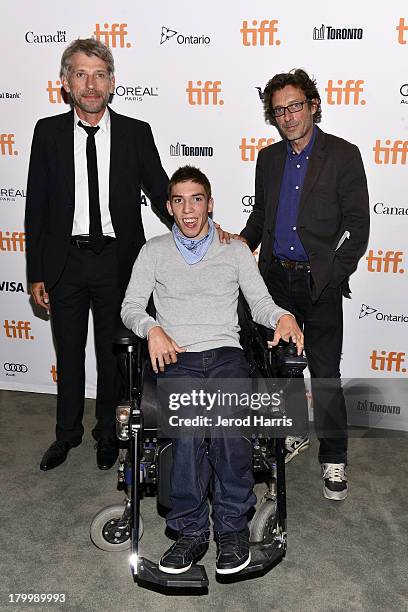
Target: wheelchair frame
115,526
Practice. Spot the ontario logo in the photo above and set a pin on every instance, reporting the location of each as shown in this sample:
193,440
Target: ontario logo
183,39
366,311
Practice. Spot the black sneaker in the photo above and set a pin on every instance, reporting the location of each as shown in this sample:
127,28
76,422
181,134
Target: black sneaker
334,481
181,556
232,551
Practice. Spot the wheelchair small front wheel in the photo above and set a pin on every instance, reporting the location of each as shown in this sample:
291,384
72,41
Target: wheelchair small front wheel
109,532
264,524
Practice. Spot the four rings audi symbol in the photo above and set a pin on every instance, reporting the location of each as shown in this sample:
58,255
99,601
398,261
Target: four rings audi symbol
248,200
15,367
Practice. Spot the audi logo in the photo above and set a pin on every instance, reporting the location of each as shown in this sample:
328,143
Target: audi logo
248,200
15,367
404,90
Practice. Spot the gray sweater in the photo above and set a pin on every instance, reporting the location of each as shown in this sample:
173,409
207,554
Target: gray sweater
196,304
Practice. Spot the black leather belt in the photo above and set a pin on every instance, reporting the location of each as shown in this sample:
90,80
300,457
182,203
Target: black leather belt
82,242
292,265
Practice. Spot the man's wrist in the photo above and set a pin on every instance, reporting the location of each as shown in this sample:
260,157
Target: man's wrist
151,329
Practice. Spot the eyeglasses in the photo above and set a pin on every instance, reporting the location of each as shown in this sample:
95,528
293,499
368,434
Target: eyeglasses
295,107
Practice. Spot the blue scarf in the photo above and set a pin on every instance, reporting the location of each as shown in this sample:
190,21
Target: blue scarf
193,250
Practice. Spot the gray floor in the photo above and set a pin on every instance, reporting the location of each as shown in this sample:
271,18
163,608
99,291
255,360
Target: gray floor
349,555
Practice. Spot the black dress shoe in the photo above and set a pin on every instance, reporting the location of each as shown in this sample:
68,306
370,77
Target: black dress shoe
55,455
106,453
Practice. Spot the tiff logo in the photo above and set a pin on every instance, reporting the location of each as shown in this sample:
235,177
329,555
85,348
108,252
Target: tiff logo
54,92
13,242
402,29
383,263
249,150
53,373
18,330
395,153
345,94
207,94
110,36
6,144
390,362
262,34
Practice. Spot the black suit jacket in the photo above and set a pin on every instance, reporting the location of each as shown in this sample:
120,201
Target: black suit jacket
334,200
134,163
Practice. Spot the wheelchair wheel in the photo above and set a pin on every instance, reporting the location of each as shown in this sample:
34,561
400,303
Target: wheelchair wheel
264,524
107,534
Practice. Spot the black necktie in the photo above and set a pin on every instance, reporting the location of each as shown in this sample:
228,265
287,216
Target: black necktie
95,223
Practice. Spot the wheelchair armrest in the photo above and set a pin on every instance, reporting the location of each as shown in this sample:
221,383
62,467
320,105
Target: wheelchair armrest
125,337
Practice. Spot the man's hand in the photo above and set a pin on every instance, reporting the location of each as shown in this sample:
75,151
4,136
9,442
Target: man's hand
225,237
288,329
162,349
40,296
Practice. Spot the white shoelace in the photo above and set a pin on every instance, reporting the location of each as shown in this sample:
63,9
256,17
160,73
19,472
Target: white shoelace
334,471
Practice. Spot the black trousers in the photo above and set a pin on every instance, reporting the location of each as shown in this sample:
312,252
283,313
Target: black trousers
322,324
89,280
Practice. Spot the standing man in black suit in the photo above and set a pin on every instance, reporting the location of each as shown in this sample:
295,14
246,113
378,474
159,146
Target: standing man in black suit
311,216
84,230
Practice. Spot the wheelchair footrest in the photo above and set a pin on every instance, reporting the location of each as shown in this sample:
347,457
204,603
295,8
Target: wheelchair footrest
263,556
194,578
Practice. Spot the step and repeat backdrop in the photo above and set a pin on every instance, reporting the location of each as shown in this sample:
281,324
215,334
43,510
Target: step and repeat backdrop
197,76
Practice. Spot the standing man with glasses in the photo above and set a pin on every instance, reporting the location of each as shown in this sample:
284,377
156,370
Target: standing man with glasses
311,216
84,230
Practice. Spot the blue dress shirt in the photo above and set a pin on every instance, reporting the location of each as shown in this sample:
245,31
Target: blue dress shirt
287,243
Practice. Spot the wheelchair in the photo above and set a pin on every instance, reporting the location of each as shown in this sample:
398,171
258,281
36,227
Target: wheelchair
145,463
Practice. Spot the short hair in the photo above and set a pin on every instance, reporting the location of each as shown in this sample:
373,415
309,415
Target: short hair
296,78
189,173
89,46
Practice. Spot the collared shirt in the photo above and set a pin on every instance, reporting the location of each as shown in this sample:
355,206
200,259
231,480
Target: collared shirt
102,143
287,243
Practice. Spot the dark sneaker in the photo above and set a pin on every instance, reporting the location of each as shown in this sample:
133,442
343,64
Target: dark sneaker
334,481
187,550
295,445
232,551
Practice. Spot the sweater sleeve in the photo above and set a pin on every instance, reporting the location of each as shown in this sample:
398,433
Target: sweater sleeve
140,288
263,308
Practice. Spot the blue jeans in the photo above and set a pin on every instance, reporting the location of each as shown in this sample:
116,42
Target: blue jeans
224,462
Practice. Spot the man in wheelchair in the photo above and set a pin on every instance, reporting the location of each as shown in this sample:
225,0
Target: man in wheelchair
195,281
